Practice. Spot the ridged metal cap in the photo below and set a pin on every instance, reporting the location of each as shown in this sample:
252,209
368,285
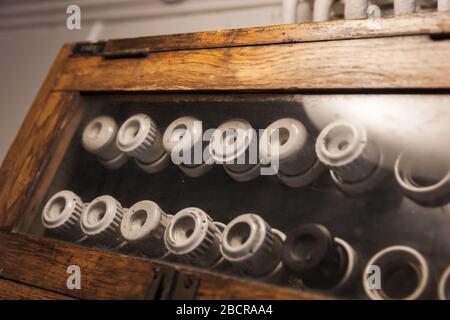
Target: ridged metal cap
140,138
143,226
99,138
61,214
101,220
249,243
288,142
193,236
344,147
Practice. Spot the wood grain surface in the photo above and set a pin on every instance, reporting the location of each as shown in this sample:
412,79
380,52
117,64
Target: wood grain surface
10,290
42,263
423,23
378,63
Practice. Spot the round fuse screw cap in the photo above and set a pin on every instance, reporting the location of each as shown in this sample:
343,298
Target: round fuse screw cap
425,185
99,137
102,213
404,274
183,133
187,231
140,138
63,208
133,132
340,143
231,140
186,134
444,285
143,219
289,135
244,236
306,247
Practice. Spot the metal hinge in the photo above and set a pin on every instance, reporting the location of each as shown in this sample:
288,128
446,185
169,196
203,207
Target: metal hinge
99,49
172,285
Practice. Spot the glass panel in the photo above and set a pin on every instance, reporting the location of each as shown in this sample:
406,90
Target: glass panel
363,187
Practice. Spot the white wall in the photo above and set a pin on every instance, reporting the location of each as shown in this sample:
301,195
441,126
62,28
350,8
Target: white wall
32,32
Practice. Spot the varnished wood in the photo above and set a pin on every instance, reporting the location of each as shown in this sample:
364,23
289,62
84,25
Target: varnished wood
394,63
10,290
29,152
74,110
398,53
105,275
43,263
424,23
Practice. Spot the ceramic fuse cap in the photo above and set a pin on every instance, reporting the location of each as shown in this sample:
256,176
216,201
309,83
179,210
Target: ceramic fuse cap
231,145
193,236
444,285
101,220
99,138
355,162
139,137
62,213
404,271
428,185
143,226
185,134
288,143
250,244
321,261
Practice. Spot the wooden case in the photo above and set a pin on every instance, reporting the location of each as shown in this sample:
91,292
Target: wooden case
402,55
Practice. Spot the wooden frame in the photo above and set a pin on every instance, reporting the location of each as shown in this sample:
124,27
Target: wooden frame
406,53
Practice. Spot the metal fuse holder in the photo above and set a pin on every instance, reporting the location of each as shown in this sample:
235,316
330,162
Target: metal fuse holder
423,179
356,164
62,213
194,237
404,271
99,138
234,144
140,138
143,226
444,285
288,143
185,135
101,220
321,261
252,246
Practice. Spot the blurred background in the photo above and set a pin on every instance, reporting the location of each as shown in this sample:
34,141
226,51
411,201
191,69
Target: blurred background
32,32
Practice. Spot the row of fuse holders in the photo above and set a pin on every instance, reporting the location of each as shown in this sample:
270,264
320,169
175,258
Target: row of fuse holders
355,162
308,258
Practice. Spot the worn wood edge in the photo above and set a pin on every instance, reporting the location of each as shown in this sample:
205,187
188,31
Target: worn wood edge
414,24
10,290
226,287
39,262
43,263
364,64
11,168
69,125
